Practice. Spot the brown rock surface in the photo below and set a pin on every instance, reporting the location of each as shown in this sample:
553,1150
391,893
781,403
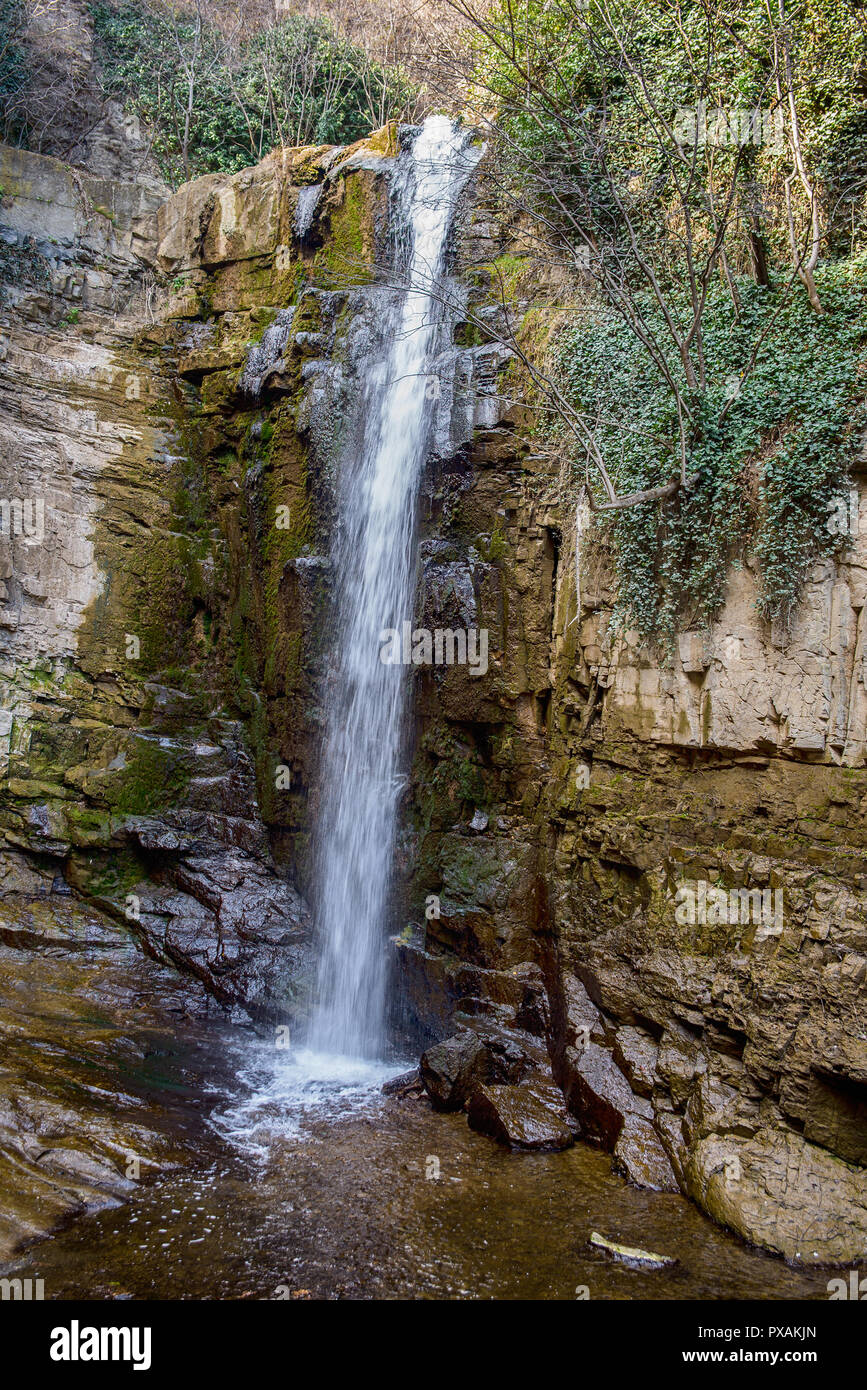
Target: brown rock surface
529,1116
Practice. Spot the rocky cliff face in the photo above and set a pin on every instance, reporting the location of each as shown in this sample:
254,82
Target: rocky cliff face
677,844
175,387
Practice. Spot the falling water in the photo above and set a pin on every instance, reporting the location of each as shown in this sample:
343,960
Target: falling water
375,574
308,202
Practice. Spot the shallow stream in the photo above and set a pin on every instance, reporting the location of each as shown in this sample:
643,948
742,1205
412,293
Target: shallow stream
306,1190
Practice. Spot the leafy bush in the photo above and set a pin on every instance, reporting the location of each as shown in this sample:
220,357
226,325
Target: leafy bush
142,55
701,253
210,107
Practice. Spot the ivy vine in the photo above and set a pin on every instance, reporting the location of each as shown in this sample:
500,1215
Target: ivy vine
772,471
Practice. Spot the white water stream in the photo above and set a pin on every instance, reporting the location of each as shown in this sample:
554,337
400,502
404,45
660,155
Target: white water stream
374,560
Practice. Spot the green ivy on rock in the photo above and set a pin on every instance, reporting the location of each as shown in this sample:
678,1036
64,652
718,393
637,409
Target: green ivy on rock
770,473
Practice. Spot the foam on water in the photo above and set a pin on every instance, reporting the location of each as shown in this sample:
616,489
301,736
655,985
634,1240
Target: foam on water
279,1094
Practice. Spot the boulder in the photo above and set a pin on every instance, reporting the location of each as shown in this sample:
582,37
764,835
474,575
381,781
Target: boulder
452,1068
599,1095
409,1083
640,1157
523,1117
513,1055
781,1192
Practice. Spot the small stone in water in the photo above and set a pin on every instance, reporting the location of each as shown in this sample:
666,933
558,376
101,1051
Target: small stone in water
631,1254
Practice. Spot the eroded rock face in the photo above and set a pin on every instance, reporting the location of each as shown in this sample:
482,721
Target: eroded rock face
106,1055
124,741
160,611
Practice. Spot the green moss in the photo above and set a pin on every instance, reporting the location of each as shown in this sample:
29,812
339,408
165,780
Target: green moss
115,877
495,547
506,273
153,778
345,257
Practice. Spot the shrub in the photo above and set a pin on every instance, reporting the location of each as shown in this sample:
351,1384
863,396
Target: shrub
210,107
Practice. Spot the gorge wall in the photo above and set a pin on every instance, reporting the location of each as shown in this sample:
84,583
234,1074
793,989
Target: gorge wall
174,379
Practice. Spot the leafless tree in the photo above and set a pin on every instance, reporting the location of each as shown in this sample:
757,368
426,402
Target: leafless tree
805,261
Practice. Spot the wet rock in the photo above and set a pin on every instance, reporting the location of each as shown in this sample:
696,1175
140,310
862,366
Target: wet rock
21,876
513,1055
635,1052
599,1095
529,1116
435,989
427,989
582,1019
103,1064
669,1128
640,1157
486,1050
532,1012
716,1107
680,1061
408,1083
488,899
631,1254
452,1068
779,1191
215,907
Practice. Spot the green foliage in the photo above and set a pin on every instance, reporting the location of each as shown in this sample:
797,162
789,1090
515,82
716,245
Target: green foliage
833,64
590,102
769,473
326,88
14,72
296,83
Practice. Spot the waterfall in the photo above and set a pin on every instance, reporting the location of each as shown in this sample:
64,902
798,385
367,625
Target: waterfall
308,202
374,565
266,356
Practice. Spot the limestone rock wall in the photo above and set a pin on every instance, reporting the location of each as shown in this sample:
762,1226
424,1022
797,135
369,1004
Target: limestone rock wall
127,771
738,766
